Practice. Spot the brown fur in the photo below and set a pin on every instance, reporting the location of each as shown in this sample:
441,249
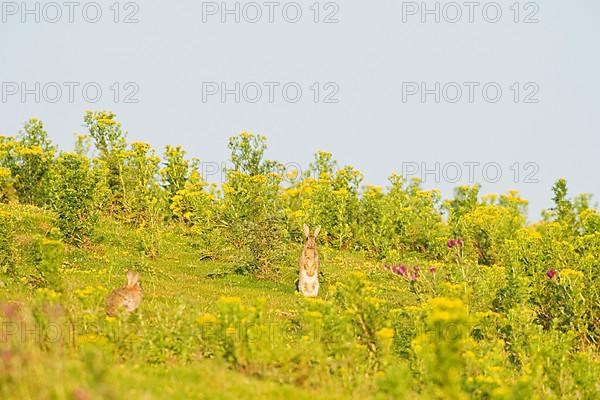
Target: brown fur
308,280
128,297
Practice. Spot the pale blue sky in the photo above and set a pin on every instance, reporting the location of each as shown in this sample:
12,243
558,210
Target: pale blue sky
368,54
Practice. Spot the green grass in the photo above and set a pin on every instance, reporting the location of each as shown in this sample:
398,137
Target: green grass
151,358
166,349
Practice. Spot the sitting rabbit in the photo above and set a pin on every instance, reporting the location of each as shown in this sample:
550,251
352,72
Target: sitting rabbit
308,280
128,297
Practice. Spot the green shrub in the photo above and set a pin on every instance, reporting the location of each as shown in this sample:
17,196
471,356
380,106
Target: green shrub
250,212
110,142
25,163
193,205
412,219
176,171
486,225
253,221
34,158
77,196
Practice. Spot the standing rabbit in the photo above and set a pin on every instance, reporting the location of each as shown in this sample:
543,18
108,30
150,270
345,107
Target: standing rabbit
128,297
308,280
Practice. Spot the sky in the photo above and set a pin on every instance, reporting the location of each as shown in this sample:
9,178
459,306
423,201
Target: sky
502,93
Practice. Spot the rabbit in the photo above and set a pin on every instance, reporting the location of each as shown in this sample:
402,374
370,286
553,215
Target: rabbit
128,297
308,279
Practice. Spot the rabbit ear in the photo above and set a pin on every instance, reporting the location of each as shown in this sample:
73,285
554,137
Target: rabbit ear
131,278
317,231
306,230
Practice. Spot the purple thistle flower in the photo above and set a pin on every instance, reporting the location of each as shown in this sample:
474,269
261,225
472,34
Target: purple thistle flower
402,270
455,243
432,270
551,273
399,270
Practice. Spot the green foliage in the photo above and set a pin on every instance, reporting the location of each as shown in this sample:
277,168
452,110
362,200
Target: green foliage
366,313
7,246
234,338
465,200
25,164
193,205
330,199
176,172
110,141
563,210
7,188
441,348
412,220
47,256
250,213
252,221
247,154
477,304
372,334
143,201
576,216
106,132
77,196
486,227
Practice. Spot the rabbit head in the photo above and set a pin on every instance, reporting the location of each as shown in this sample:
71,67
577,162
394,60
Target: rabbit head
311,239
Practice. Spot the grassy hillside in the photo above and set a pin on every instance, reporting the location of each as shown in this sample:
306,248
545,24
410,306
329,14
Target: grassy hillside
67,347
63,346
421,297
